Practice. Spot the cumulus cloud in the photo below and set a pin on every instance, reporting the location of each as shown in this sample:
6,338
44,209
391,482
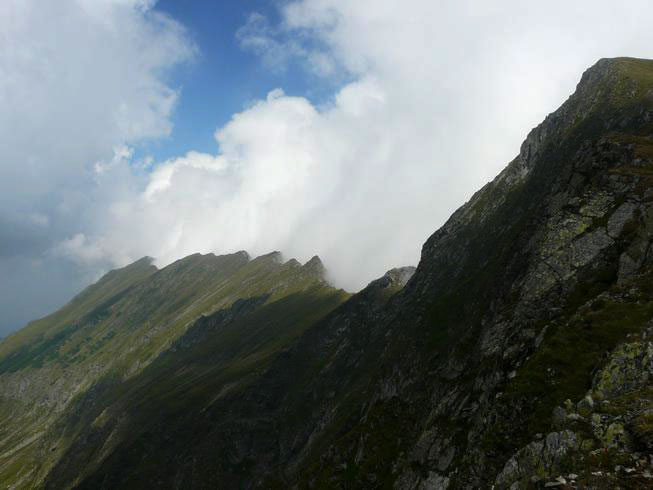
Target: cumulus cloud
438,97
439,100
278,46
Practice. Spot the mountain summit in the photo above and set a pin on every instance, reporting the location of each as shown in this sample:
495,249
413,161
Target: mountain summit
516,355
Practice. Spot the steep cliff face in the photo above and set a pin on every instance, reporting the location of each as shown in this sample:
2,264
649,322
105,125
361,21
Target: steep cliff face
494,330
491,333
516,354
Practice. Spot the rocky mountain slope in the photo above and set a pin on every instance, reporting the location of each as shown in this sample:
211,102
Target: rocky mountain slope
133,321
517,355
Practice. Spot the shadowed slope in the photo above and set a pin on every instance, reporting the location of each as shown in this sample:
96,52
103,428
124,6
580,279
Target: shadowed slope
109,335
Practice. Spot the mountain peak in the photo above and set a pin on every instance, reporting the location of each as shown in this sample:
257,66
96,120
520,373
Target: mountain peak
244,254
611,94
400,276
293,263
393,280
615,83
274,256
620,67
315,269
144,260
315,264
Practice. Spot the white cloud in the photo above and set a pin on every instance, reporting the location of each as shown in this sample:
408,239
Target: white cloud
441,97
78,79
278,46
438,97
258,36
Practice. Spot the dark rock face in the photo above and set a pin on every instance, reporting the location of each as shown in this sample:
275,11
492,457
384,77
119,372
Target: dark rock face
466,368
517,354
567,221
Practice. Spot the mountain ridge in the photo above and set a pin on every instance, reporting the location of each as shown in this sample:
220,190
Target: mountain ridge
117,327
515,355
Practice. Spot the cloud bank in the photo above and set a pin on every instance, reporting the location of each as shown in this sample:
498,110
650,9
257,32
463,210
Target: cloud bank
433,99
78,78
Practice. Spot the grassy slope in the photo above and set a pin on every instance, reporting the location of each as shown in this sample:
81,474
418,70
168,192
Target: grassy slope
156,417
24,345
114,329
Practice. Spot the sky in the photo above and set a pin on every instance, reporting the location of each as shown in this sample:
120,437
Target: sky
351,130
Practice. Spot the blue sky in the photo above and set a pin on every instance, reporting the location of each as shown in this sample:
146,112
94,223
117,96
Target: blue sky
223,78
